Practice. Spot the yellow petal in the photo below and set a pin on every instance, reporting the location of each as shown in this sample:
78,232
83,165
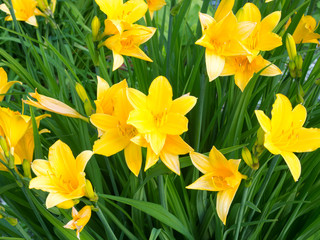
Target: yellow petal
66,204
134,10
205,21
176,124
299,116
160,95
82,160
156,140
137,98
281,114
306,140
224,200
171,161
117,61
271,70
136,52
263,120
271,21
223,9
54,199
103,121
110,143
250,12
201,162
5,87
269,41
40,167
293,163
133,157
151,159
216,158
242,78
245,29
215,64
109,6
4,8
183,104
142,120
32,21
102,87
44,183
176,145
205,182
139,140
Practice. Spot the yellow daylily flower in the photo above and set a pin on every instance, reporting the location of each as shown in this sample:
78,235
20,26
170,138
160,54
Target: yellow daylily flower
304,32
18,132
262,38
80,219
113,128
155,5
222,38
127,44
4,84
220,175
243,69
120,16
24,10
52,105
157,115
285,135
62,175
169,154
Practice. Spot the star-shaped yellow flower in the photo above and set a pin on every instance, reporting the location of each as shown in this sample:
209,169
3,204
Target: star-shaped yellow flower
62,175
157,115
304,32
285,135
220,175
24,10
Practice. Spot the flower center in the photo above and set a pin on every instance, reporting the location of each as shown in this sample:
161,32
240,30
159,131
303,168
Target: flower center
127,130
160,119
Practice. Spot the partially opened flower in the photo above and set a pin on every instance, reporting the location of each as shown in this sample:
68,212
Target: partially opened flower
243,69
169,154
121,15
79,219
220,175
155,5
17,131
262,38
53,105
127,44
285,135
62,175
304,32
24,10
157,115
222,36
113,108
4,84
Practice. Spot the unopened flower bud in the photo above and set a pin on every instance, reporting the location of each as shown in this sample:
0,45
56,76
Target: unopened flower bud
4,146
13,221
84,98
43,4
246,156
292,69
291,47
298,62
26,168
95,26
90,193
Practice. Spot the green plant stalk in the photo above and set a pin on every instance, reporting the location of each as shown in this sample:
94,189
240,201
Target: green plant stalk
106,225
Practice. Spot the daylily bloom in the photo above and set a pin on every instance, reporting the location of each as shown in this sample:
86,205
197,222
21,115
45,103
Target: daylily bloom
113,108
18,132
157,115
62,175
262,38
243,69
155,5
222,36
4,84
80,219
53,105
220,175
121,15
127,44
169,154
285,135
24,10
304,32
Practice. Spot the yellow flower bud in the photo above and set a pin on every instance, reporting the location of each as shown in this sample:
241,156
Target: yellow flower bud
13,221
291,47
95,26
84,98
246,156
90,193
4,146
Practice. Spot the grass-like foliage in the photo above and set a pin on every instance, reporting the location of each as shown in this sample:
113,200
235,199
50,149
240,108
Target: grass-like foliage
213,134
